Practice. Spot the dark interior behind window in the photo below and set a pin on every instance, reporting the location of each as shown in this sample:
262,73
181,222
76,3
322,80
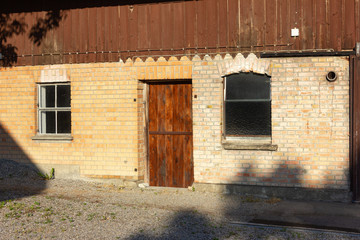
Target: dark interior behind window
247,105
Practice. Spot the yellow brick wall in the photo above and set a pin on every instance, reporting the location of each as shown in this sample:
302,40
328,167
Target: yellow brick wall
310,126
310,121
107,106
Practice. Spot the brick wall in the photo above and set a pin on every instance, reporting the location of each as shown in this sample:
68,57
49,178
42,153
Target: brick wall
310,125
107,106
104,120
310,121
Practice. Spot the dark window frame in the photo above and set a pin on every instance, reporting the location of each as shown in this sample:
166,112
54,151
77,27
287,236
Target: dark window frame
265,98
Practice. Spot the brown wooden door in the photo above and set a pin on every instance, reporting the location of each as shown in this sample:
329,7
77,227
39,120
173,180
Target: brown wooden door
170,134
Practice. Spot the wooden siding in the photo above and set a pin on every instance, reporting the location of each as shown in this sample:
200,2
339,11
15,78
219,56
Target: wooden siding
106,33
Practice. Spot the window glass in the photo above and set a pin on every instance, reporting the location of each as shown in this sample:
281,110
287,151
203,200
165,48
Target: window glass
248,118
247,105
47,96
247,86
63,96
48,122
64,122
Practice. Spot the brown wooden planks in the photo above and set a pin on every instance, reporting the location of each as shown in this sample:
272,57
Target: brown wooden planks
210,26
222,24
271,24
284,24
169,108
349,30
357,21
154,31
307,28
201,26
169,162
92,35
233,23
190,25
321,24
153,109
170,148
144,38
153,174
123,32
335,24
258,13
212,23
245,24
178,28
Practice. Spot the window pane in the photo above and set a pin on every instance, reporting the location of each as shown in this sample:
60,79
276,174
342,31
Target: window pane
47,96
47,122
63,95
247,86
248,118
64,122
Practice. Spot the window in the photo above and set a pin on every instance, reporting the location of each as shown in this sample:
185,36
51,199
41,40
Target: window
54,108
247,107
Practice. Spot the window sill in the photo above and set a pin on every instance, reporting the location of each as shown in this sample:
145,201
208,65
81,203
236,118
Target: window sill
53,137
257,144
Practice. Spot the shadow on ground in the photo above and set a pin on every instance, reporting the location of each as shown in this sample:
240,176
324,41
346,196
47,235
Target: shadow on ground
185,225
18,175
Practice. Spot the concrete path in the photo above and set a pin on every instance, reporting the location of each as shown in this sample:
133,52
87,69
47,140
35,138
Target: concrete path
318,215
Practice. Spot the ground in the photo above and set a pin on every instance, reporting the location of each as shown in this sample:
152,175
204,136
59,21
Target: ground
31,208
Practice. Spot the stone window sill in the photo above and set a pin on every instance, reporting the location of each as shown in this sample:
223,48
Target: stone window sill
53,137
251,143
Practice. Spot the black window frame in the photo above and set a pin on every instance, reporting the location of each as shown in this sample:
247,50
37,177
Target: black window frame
266,121
42,109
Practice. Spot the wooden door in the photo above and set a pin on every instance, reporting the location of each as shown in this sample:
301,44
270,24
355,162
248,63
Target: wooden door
170,134
355,127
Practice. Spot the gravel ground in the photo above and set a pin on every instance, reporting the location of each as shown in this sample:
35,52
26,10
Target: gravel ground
31,208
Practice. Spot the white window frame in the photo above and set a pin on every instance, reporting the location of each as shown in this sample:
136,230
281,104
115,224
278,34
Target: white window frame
42,108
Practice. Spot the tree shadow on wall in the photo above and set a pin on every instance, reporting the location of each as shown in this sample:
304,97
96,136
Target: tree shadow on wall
290,176
18,175
12,25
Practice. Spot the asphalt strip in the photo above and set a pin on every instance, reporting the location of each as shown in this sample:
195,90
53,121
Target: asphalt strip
283,225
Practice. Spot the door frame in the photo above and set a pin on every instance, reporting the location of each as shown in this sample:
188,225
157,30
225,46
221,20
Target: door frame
146,117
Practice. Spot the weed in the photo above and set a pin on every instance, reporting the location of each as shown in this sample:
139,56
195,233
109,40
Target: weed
250,199
231,234
273,200
91,216
13,215
193,188
2,204
46,176
47,221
